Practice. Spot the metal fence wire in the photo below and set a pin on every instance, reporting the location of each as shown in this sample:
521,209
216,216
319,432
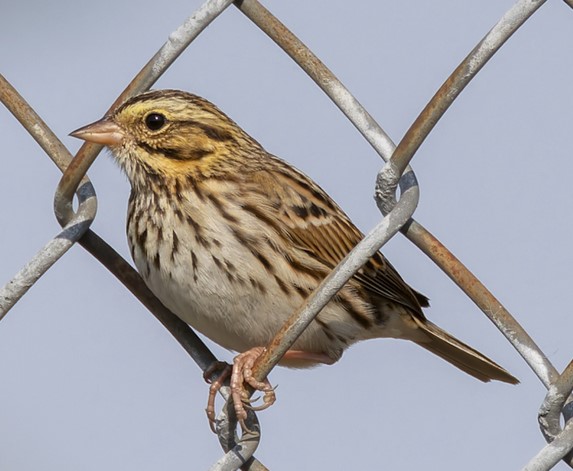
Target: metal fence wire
397,216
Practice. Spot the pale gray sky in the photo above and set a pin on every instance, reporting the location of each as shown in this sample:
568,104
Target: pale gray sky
91,381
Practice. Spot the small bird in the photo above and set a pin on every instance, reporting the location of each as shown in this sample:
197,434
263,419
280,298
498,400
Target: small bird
233,239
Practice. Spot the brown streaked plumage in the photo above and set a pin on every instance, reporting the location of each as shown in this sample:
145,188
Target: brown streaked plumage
232,239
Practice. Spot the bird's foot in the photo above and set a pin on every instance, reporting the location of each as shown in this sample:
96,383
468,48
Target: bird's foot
239,373
243,374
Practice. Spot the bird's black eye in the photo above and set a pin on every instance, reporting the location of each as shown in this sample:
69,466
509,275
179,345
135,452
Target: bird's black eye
155,121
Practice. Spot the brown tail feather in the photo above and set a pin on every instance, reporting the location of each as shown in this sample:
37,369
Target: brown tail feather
459,354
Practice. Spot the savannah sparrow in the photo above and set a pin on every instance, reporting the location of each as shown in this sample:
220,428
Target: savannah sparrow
232,239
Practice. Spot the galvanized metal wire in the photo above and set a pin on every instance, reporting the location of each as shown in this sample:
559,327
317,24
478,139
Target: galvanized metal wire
74,227
397,216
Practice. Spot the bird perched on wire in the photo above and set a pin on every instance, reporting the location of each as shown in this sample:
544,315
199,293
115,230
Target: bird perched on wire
232,239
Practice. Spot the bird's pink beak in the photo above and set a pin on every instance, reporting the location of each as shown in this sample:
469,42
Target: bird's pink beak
104,132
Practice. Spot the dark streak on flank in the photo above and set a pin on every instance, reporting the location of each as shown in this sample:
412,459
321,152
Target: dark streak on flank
195,264
284,288
300,290
325,329
199,237
175,246
246,242
261,258
217,262
314,273
142,238
240,236
196,227
202,241
147,270
349,308
178,214
160,210
257,285
157,261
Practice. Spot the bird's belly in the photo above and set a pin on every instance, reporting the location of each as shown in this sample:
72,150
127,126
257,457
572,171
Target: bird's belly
235,307
238,290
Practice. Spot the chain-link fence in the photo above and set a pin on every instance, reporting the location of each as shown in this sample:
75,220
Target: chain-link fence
398,216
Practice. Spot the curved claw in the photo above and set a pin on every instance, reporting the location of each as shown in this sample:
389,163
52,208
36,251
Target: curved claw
268,400
269,397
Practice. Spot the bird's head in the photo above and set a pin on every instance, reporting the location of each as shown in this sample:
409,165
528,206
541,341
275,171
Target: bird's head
168,132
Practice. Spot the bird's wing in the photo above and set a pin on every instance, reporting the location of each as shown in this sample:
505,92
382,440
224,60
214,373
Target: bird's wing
316,225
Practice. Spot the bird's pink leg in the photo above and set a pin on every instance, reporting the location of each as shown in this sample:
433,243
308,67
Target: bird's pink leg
215,385
243,373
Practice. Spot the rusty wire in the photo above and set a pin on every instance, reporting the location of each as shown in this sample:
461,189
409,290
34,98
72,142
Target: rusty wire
398,217
77,224
413,139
